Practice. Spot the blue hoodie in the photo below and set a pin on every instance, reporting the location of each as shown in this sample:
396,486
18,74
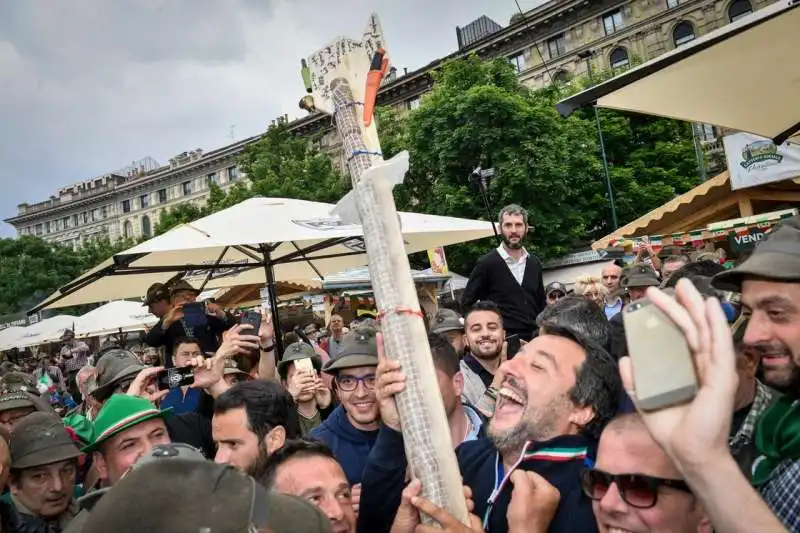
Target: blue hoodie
349,445
559,461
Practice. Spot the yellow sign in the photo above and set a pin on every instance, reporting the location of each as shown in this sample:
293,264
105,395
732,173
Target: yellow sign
438,260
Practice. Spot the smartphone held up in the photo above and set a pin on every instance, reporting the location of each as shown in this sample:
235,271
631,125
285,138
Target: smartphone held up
174,378
663,368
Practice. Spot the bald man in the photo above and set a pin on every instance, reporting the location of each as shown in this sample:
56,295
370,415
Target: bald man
613,303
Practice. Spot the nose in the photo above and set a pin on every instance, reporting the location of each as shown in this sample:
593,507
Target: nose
56,484
332,508
758,330
612,501
223,457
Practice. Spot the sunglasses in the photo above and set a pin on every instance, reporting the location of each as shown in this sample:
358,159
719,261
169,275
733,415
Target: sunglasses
637,490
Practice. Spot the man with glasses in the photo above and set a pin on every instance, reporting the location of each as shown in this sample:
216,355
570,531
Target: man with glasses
636,488
352,428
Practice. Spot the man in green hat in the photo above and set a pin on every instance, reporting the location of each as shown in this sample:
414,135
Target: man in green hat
310,394
769,282
352,428
450,324
44,463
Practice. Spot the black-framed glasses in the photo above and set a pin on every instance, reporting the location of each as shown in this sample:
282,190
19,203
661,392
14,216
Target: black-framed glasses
637,490
350,383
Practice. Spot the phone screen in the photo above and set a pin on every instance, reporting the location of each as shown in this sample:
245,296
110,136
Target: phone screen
512,345
173,378
194,314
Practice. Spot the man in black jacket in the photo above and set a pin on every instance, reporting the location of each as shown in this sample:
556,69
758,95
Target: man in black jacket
510,277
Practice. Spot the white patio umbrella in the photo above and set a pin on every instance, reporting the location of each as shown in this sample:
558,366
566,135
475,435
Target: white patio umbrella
120,316
260,240
48,330
9,335
744,76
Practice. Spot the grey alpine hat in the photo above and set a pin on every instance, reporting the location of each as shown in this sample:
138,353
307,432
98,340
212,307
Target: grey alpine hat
446,320
17,400
41,439
639,276
359,347
114,366
776,258
297,351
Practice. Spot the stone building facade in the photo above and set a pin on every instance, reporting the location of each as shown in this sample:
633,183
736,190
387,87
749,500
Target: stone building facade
552,43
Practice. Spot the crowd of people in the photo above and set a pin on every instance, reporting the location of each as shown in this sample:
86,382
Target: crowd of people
210,430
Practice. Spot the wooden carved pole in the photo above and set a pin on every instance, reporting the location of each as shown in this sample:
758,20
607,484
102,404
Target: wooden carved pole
339,76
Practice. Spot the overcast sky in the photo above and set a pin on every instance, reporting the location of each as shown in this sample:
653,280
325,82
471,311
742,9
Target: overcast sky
88,86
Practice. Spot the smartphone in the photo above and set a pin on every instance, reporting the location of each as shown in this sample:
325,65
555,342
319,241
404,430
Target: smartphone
194,314
253,318
304,365
512,345
663,368
173,378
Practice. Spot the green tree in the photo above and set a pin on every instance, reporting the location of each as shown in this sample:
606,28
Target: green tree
176,215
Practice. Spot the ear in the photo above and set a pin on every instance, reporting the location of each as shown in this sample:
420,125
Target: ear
100,465
275,439
458,383
581,416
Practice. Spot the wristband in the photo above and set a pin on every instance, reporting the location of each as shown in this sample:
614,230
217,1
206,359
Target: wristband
266,348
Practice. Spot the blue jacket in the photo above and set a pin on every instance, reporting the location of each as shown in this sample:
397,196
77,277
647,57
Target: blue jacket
385,476
559,461
349,445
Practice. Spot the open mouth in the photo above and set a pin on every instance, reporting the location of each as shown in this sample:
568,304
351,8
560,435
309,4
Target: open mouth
509,400
774,359
364,407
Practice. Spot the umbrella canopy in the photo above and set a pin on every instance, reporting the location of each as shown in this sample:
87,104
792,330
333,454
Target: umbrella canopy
114,317
251,242
10,334
48,330
744,76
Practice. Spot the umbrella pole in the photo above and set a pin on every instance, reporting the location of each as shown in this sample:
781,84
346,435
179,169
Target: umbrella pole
269,271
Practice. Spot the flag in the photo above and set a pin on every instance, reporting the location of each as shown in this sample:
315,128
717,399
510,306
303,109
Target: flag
655,243
697,238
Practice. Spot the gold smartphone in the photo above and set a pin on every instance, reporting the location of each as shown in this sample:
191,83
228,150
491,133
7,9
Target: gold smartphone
663,368
304,365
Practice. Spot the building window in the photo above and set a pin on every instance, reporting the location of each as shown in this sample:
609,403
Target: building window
186,187
47,227
146,226
562,76
144,201
127,229
619,58
557,46
74,221
126,206
739,9
85,217
518,61
212,178
38,229
233,173
104,212
683,33
162,196
672,3
65,222
414,103
613,22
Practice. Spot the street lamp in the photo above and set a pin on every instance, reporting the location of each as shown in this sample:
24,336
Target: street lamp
587,55
480,177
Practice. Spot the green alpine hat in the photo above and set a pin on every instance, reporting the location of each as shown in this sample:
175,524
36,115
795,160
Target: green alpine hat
639,275
446,320
81,426
359,347
297,351
119,413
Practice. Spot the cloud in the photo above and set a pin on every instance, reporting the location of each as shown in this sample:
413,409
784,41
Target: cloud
89,86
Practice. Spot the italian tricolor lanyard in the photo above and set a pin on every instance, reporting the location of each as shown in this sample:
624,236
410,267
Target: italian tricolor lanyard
544,454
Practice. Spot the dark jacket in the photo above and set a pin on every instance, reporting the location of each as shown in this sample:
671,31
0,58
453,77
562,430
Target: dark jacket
492,280
349,445
209,336
559,461
385,479
14,521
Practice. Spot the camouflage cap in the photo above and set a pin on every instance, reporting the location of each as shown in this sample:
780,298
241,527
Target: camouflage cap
359,347
446,320
639,275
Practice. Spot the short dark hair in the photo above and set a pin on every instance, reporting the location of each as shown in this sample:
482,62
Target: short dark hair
292,449
579,315
597,381
267,405
704,268
484,305
677,259
444,355
186,340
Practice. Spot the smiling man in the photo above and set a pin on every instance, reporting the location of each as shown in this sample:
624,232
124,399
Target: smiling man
510,276
484,336
556,396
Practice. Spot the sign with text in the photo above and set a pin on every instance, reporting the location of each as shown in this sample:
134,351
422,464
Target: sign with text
754,160
743,242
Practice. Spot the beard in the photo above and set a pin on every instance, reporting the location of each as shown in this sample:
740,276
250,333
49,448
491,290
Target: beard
259,467
513,245
536,424
786,378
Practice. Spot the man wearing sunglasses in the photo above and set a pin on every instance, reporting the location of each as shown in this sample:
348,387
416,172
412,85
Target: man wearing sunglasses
350,431
634,487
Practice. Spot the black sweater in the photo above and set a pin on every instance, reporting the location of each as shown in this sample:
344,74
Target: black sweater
492,280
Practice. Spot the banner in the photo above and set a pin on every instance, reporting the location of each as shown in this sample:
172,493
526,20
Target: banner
438,261
754,160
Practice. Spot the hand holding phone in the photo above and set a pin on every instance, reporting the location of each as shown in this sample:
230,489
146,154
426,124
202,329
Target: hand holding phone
194,314
174,378
251,318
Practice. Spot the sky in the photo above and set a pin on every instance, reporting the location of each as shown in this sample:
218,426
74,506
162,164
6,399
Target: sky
89,86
